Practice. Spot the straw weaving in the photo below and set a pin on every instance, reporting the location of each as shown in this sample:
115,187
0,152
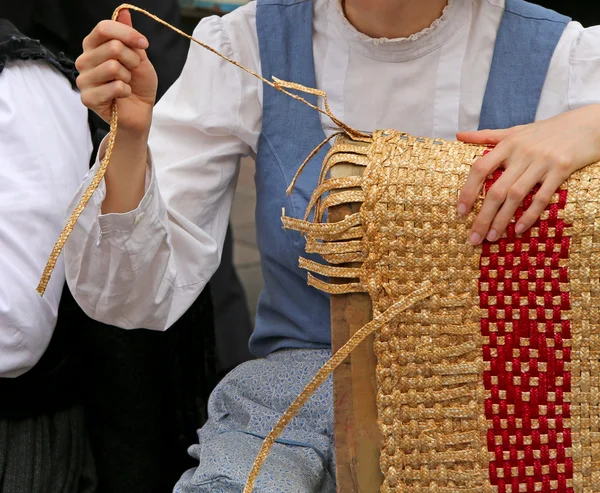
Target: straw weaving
492,383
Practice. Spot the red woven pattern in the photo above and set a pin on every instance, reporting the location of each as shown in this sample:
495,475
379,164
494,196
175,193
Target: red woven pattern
523,290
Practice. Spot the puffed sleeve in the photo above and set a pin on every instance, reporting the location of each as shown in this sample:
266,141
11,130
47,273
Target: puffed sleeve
143,269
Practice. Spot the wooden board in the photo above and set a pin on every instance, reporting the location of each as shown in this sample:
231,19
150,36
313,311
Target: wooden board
357,439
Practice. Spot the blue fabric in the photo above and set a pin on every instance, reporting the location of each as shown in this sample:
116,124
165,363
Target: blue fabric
290,314
245,407
526,41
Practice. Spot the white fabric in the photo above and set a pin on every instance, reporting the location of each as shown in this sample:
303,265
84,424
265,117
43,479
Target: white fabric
144,268
45,146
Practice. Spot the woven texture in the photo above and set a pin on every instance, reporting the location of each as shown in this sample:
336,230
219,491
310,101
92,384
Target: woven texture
491,383
429,360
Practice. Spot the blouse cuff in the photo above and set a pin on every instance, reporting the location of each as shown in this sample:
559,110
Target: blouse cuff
129,220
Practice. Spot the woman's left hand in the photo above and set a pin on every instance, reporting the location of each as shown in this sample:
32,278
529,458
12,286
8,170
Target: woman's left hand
546,153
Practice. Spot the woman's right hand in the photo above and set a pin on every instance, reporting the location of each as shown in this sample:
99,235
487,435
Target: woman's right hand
114,65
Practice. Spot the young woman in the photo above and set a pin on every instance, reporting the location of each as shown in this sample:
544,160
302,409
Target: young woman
152,236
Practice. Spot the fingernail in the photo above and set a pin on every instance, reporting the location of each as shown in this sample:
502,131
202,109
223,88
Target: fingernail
462,209
492,235
475,238
143,43
519,228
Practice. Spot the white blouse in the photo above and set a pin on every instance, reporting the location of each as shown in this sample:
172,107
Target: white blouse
45,147
144,268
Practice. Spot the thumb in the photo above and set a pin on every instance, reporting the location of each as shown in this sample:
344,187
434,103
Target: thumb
487,137
124,17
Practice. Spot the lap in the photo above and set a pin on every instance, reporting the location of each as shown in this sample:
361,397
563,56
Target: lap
243,409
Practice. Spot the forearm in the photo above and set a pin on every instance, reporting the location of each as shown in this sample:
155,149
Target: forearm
126,175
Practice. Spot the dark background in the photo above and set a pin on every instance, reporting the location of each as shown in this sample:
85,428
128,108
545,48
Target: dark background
586,12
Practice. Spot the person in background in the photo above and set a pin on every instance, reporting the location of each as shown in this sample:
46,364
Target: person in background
45,145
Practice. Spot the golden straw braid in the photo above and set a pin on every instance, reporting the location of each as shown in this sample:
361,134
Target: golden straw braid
345,197
277,84
344,258
358,159
329,185
320,230
87,195
341,154
321,248
350,234
327,287
424,291
406,239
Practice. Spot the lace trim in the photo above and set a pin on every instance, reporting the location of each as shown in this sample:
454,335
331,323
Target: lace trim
17,47
435,25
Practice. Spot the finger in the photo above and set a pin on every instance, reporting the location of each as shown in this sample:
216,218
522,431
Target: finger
494,200
487,137
105,72
124,17
113,49
98,96
480,170
540,201
514,198
108,30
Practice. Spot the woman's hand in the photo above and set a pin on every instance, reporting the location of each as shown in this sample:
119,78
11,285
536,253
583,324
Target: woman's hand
546,153
114,65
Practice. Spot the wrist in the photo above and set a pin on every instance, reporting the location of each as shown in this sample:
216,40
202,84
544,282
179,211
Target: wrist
135,143
132,140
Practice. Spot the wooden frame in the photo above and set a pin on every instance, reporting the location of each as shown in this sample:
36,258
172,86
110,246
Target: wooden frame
357,439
